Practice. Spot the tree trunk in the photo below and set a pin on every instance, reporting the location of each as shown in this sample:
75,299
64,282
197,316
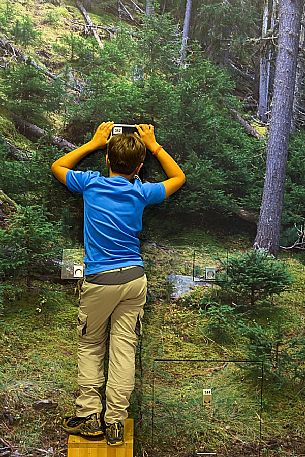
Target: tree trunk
264,70
7,208
186,31
248,127
16,153
300,76
149,8
268,232
265,61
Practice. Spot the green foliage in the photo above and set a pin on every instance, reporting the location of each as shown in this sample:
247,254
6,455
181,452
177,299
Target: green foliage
9,292
225,26
7,13
83,52
216,159
261,343
24,31
292,363
252,277
295,182
55,15
29,94
222,323
159,45
31,244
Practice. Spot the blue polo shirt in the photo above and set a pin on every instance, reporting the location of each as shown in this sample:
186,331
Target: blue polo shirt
113,209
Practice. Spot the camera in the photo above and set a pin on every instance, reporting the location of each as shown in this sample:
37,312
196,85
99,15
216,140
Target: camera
123,128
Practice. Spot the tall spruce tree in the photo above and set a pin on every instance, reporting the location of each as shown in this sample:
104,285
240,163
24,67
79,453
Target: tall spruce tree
268,232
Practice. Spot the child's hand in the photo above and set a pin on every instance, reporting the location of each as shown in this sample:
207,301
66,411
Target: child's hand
101,135
147,135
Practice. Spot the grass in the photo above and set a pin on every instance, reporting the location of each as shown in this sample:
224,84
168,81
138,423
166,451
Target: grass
37,363
177,331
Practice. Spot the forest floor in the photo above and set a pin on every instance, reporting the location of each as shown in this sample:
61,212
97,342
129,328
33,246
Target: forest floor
38,365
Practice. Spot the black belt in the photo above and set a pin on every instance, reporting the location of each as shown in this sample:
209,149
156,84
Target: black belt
120,276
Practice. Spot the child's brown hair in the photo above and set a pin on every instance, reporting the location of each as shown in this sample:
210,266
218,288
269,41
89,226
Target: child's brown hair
125,153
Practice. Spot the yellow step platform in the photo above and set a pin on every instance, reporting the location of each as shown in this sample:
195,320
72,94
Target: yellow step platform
78,446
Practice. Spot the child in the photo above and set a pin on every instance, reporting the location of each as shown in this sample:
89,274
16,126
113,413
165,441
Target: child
114,288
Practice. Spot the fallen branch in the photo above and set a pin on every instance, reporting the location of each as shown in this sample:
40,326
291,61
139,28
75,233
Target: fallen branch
250,130
32,131
137,7
16,153
126,10
296,245
89,22
17,54
78,25
250,78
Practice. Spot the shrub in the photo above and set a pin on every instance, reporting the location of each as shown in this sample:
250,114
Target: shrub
24,31
222,323
29,95
31,244
251,277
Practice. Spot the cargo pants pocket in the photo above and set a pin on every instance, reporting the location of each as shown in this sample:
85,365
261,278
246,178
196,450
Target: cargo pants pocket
138,328
82,323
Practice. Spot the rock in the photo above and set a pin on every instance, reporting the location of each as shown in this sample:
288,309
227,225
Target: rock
48,404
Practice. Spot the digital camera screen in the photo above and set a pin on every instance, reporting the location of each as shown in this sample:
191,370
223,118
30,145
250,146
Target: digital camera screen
123,128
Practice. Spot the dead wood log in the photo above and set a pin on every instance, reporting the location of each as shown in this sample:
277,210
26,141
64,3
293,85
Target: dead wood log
34,132
16,153
137,7
246,215
7,207
17,54
78,25
249,129
126,11
90,24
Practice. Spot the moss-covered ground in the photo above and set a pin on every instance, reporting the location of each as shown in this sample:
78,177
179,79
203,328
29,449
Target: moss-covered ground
38,365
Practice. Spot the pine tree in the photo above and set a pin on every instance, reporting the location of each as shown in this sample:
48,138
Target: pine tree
268,232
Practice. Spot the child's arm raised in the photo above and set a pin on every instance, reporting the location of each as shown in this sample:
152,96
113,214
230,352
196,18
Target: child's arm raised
61,166
173,171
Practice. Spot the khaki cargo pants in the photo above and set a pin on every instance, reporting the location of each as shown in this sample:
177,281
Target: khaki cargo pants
121,306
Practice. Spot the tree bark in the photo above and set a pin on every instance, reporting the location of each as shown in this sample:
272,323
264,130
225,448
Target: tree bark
299,82
269,19
268,233
16,153
186,31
